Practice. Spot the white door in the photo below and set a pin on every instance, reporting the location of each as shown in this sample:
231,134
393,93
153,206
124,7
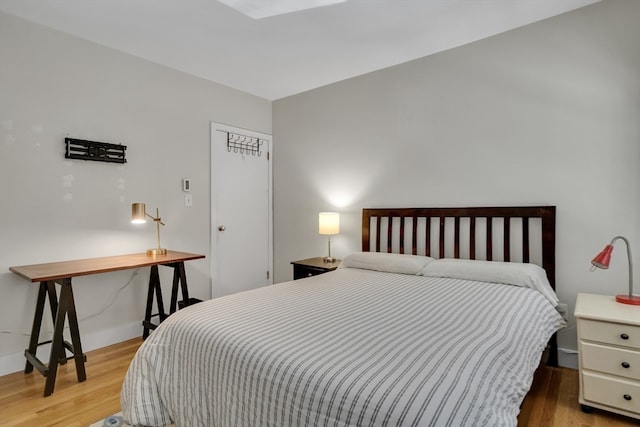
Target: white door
241,210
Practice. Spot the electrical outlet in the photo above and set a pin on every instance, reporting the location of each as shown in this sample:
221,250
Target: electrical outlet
188,200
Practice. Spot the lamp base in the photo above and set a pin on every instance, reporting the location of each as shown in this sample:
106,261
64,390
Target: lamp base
628,299
157,251
329,259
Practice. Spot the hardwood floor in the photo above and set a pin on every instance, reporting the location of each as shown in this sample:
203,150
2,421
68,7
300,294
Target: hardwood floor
552,401
72,403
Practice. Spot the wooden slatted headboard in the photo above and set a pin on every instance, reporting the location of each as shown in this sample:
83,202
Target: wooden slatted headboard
427,230
386,225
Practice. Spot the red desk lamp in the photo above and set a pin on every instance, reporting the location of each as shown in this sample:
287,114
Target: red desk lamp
602,261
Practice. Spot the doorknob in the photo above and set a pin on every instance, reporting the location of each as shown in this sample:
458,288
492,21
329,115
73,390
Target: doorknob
222,228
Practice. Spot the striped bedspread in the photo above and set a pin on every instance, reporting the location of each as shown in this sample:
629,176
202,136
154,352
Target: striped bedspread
350,347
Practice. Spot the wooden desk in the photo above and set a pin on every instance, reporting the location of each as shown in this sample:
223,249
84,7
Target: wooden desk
64,307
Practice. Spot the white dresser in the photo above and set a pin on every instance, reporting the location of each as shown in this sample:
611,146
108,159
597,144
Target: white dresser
609,359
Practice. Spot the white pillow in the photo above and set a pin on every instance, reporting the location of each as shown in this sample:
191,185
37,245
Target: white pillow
511,273
390,263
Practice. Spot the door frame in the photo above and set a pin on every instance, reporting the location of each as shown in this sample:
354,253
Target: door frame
215,127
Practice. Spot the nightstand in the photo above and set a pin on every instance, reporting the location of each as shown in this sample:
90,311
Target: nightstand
312,267
609,354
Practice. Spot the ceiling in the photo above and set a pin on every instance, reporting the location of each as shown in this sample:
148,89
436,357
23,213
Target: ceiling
281,55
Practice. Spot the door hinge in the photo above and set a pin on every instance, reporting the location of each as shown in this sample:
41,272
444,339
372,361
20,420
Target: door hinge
268,155
268,274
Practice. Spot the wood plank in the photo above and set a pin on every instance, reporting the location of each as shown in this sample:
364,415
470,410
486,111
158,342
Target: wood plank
54,271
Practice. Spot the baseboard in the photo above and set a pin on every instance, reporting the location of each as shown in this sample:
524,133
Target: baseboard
15,362
568,358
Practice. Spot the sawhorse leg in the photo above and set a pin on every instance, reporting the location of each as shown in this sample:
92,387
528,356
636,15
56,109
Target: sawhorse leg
154,288
179,282
60,310
35,329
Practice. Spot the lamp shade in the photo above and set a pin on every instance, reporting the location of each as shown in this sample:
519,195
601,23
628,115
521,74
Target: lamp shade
328,223
603,259
138,213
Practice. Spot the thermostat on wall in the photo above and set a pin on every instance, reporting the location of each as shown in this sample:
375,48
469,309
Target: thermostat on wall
186,184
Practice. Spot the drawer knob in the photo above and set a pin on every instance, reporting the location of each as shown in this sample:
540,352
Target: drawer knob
624,336
625,365
627,397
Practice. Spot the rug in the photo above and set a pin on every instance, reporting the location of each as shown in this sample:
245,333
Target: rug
114,420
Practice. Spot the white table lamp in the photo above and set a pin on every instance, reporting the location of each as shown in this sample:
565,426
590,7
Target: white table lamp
328,225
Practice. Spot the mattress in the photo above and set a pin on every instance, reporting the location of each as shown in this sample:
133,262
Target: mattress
350,347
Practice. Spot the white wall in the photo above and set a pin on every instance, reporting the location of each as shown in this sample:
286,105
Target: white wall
53,85
545,114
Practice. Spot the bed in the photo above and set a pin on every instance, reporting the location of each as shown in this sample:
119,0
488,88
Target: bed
441,320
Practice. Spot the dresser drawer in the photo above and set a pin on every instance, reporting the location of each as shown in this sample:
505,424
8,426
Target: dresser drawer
312,267
610,333
611,360
300,272
611,391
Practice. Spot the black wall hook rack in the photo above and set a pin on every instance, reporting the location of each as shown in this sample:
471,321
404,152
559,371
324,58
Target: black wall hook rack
96,151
